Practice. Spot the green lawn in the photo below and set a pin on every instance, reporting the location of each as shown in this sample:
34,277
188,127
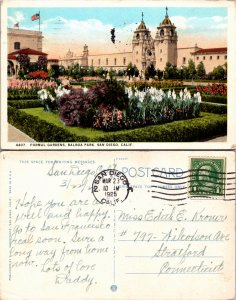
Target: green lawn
54,119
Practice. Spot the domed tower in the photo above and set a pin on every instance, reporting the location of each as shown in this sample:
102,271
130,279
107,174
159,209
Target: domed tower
143,47
166,43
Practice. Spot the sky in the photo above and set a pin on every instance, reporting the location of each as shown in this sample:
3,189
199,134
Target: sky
71,28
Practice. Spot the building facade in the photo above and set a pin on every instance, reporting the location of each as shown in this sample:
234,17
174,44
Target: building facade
146,50
21,38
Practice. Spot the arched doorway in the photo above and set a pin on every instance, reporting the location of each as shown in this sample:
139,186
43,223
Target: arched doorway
10,68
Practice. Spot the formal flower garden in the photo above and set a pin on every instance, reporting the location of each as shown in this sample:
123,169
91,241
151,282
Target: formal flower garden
109,110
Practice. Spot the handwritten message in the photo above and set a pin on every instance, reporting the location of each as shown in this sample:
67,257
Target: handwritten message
60,237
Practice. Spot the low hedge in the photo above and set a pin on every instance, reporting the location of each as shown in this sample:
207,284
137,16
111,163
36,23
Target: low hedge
214,98
204,127
22,97
40,130
20,104
213,108
180,131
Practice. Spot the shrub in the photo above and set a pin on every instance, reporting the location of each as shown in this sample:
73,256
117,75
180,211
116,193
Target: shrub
182,131
40,130
75,108
20,104
213,108
163,84
214,99
79,107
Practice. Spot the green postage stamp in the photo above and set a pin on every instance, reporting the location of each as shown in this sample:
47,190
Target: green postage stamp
207,177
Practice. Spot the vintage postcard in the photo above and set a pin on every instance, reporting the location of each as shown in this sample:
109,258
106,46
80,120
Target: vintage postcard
136,225
118,74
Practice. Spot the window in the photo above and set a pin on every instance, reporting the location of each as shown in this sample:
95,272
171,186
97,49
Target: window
115,61
99,61
136,60
204,58
92,62
160,59
218,57
160,50
106,61
225,56
162,32
17,45
136,52
124,61
210,57
184,60
197,57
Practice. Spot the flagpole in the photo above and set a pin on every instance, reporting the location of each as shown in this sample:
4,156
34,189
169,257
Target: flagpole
39,20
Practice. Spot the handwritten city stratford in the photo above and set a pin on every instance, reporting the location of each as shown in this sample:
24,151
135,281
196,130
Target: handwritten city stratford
81,227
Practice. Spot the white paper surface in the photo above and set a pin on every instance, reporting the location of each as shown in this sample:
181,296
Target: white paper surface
59,242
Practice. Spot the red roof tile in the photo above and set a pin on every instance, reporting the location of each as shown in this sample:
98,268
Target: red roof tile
11,56
28,51
211,50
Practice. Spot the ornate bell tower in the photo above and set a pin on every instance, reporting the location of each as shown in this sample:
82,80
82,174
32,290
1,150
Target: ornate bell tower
143,47
166,43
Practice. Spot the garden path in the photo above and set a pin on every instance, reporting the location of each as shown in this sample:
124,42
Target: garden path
15,135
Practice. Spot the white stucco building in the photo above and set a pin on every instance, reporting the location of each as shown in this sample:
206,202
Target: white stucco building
156,49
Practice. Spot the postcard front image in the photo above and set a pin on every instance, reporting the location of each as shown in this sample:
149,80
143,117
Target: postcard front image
87,76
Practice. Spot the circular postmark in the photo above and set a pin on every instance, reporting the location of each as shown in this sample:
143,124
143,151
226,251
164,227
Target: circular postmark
111,187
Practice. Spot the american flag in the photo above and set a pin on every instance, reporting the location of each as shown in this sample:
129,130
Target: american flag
35,17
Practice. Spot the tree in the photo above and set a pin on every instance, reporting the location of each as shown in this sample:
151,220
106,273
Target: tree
112,73
201,72
91,71
42,62
150,71
218,72
191,68
24,61
132,70
171,71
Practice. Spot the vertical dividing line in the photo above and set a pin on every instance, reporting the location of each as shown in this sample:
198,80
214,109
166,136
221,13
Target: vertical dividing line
114,246
9,223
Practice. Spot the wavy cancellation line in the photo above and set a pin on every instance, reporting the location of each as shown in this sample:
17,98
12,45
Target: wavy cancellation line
190,170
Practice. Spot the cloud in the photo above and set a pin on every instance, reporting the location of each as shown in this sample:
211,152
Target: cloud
182,22
18,17
93,32
217,19
219,26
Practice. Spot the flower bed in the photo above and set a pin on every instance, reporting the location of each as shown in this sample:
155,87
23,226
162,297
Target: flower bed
27,89
110,107
149,107
38,75
213,89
